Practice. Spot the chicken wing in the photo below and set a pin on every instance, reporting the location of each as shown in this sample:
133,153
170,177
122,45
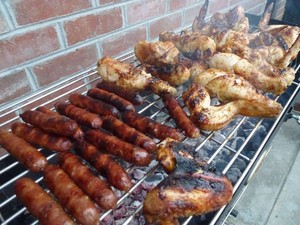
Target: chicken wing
208,117
192,188
162,60
274,83
230,87
234,19
192,45
130,77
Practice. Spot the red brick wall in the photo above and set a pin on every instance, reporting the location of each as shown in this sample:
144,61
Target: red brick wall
44,41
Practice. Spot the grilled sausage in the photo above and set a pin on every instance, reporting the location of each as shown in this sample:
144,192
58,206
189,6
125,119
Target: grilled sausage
78,134
129,95
80,115
97,189
105,164
56,124
22,151
115,146
93,105
71,196
180,117
111,98
151,127
127,133
40,204
45,110
39,137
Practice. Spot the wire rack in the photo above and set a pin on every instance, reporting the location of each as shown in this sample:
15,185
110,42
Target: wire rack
236,150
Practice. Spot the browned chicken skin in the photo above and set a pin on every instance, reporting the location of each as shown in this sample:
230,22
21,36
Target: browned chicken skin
230,87
191,44
208,117
235,19
192,188
162,60
275,83
269,51
130,77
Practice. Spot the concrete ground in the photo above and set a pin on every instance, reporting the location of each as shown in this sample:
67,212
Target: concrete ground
272,197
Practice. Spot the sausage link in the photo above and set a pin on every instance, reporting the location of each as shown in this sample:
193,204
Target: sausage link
71,196
80,115
105,164
45,110
93,105
51,123
151,127
97,189
78,134
127,133
180,117
23,151
40,204
39,137
115,146
111,98
129,95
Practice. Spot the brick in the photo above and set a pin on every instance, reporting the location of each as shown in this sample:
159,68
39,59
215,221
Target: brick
90,26
31,11
124,41
178,4
28,46
105,2
235,2
3,24
168,23
65,65
144,10
13,86
190,15
218,6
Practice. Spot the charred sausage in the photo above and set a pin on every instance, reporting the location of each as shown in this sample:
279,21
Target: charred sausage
22,151
71,196
77,135
151,127
105,164
129,95
40,204
39,137
111,98
45,110
93,105
56,124
80,115
127,133
97,189
180,117
117,147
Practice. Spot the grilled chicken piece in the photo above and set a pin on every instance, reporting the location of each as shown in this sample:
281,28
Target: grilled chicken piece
274,83
192,188
235,19
208,117
281,42
257,61
157,53
130,77
162,60
191,44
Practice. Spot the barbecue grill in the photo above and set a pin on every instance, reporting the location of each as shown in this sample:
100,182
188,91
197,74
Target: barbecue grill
236,150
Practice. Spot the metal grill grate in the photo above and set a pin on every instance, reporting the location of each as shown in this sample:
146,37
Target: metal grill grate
236,150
